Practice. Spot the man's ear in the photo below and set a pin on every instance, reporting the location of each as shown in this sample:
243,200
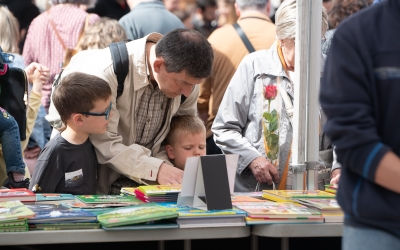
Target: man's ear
237,10
77,119
170,151
157,64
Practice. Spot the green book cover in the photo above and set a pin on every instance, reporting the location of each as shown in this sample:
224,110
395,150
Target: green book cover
136,214
65,226
93,199
12,210
15,229
13,223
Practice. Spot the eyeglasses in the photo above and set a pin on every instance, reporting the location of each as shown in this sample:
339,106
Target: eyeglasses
106,113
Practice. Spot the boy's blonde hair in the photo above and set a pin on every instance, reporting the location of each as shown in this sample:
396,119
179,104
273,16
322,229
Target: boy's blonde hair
184,124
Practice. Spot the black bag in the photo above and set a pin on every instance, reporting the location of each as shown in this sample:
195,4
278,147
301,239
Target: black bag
14,94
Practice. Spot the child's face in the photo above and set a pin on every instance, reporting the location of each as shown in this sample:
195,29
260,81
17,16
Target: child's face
186,145
97,124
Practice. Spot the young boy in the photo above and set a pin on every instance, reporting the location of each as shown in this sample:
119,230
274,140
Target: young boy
67,164
186,137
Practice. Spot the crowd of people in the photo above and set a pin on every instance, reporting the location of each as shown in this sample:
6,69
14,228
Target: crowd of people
201,79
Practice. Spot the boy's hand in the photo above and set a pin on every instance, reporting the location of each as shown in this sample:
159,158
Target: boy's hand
44,72
168,174
37,83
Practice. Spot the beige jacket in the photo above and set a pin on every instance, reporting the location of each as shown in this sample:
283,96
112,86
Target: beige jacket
116,151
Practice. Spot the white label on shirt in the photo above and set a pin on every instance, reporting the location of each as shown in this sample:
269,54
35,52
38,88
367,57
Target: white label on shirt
74,179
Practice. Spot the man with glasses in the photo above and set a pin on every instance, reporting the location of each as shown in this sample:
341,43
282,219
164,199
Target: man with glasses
68,163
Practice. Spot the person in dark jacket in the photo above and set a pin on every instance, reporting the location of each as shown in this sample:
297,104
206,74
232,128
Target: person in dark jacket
114,9
359,94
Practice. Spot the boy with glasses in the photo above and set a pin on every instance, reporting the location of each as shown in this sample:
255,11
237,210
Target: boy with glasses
67,164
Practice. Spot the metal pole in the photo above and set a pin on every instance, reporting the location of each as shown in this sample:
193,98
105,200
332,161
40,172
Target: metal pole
306,88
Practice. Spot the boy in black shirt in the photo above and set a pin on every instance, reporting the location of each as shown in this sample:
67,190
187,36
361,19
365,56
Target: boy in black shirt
67,164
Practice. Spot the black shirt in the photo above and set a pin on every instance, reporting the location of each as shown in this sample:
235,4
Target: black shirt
63,167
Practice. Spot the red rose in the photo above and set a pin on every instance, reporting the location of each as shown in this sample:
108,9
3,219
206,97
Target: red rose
270,92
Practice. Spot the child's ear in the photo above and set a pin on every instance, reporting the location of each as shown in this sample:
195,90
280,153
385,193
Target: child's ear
77,119
170,151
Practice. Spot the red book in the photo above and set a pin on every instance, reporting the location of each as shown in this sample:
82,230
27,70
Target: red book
21,194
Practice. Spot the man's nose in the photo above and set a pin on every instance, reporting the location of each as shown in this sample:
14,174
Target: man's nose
187,90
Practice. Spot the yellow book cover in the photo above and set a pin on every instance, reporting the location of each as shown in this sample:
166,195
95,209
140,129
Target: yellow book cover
289,195
160,189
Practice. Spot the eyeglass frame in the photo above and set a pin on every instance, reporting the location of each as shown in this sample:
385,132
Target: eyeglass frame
105,113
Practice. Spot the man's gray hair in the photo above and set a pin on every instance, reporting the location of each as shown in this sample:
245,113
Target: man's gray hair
285,20
252,4
87,2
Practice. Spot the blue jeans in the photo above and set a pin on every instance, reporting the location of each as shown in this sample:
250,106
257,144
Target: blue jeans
41,130
367,238
11,143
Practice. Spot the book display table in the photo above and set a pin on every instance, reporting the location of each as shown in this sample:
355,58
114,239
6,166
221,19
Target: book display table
100,235
286,231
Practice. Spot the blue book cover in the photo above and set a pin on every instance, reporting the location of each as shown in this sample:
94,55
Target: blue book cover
56,213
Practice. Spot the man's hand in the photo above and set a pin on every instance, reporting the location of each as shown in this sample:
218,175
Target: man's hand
168,174
335,176
264,171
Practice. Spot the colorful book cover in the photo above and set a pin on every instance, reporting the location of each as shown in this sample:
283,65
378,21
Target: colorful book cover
288,195
281,210
93,199
331,188
128,191
244,198
12,210
160,189
321,204
136,214
13,223
21,194
54,197
65,226
53,213
186,211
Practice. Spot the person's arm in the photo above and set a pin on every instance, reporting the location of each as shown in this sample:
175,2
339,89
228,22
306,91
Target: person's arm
231,121
346,96
204,98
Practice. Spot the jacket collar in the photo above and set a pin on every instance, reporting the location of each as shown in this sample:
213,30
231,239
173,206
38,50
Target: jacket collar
137,53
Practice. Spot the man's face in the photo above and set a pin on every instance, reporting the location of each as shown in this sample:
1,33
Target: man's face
186,145
175,84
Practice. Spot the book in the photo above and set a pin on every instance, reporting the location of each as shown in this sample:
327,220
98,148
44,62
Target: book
331,188
160,189
281,210
128,191
53,213
13,223
321,204
161,224
13,210
107,199
65,226
187,211
289,195
245,198
136,214
94,206
14,229
54,198
21,194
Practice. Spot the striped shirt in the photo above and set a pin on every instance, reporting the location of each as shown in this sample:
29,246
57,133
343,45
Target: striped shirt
42,45
151,114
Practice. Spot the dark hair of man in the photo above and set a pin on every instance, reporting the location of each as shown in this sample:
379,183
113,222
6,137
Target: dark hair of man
77,92
203,4
185,49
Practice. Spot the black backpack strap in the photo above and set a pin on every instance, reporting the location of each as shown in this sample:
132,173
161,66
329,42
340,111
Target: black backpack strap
119,54
244,38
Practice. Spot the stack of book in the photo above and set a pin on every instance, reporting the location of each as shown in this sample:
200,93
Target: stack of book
13,216
144,216
60,217
190,217
329,208
21,194
289,195
158,193
280,212
104,201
